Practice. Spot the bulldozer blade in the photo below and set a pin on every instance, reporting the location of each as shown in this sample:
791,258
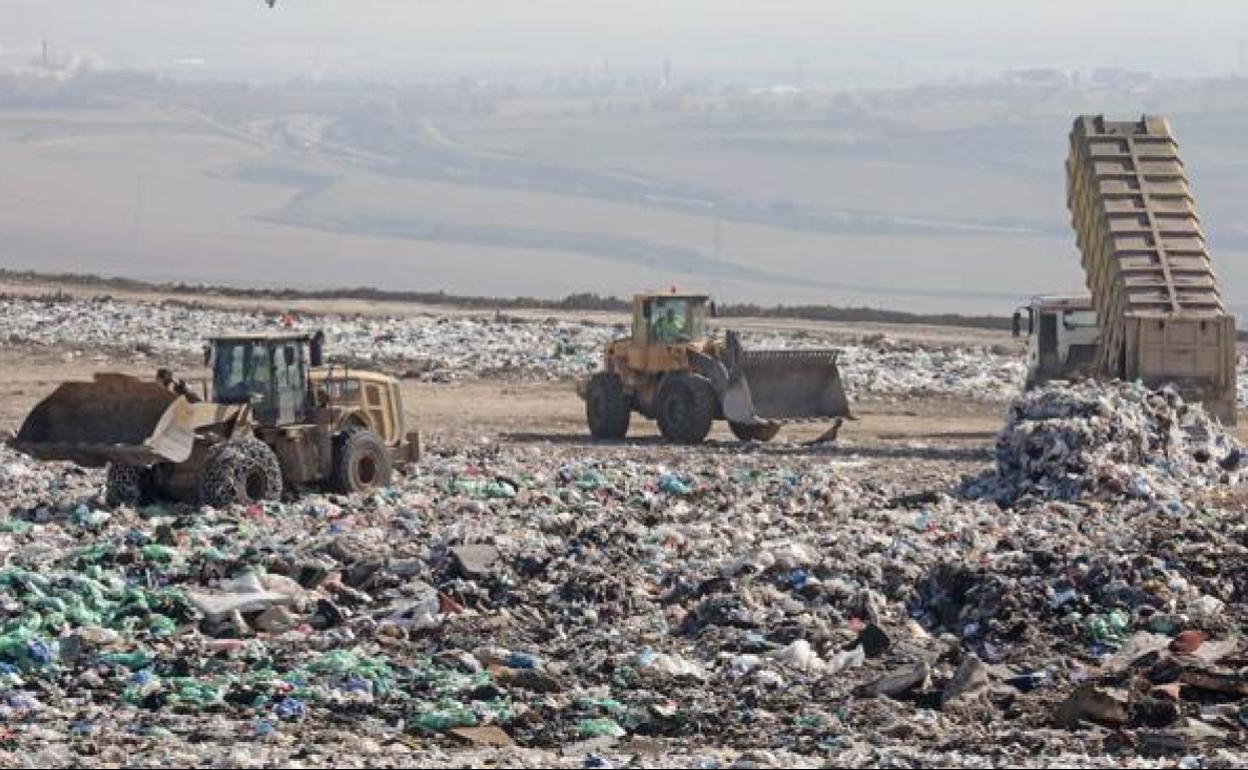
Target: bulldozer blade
785,386
114,419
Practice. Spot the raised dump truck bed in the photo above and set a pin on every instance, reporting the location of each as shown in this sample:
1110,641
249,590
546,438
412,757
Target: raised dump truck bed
1146,261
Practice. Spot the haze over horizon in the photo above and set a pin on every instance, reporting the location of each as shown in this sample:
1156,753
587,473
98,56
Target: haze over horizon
891,43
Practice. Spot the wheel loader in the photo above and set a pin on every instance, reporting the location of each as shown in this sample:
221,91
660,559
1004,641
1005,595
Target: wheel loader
672,371
276,418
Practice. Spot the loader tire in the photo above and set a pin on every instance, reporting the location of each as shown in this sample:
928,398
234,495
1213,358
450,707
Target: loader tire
240,473
361,462
607,409
765,432
686,407
127,485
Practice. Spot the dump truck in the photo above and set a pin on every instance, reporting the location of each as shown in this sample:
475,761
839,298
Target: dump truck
276,417
672,370
1160,311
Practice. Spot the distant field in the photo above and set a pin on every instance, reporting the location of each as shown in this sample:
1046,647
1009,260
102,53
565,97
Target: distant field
767,211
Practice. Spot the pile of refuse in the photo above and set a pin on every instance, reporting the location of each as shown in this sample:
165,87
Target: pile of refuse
1114,441
462,346
435,348
541,606
909,371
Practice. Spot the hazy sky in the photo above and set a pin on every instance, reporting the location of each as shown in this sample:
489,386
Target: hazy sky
844,43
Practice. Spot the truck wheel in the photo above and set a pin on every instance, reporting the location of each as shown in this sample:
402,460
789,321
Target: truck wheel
361,462
240,472
686,408
127,485
606,407
765,432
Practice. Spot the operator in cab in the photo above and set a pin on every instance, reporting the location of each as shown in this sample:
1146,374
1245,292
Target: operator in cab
669,327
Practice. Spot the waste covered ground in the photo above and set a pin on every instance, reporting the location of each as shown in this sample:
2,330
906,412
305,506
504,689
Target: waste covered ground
960,581
442,348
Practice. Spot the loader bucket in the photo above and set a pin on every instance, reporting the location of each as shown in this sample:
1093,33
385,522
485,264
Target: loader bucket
784,386
114,419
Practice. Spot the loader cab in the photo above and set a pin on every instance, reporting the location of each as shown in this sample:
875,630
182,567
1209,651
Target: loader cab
1062,334
268,371
664,326
670,319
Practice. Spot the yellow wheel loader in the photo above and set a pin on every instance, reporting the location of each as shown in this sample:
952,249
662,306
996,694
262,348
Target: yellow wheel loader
670,370
276,417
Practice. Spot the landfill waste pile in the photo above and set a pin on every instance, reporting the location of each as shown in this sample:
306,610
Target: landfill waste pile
538,605
890,369
455,347
1109,441
432,348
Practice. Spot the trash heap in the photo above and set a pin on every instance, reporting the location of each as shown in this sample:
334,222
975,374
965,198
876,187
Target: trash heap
440,349
888,369
880,366
1108,441
547,606
460,346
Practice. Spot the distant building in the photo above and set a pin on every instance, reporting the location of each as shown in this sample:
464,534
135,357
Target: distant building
1038,76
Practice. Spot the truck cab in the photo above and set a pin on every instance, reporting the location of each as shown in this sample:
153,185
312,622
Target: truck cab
1062,336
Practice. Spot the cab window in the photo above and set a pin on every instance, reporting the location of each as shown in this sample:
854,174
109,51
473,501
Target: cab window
1079,319
677,319
240,371
342,390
